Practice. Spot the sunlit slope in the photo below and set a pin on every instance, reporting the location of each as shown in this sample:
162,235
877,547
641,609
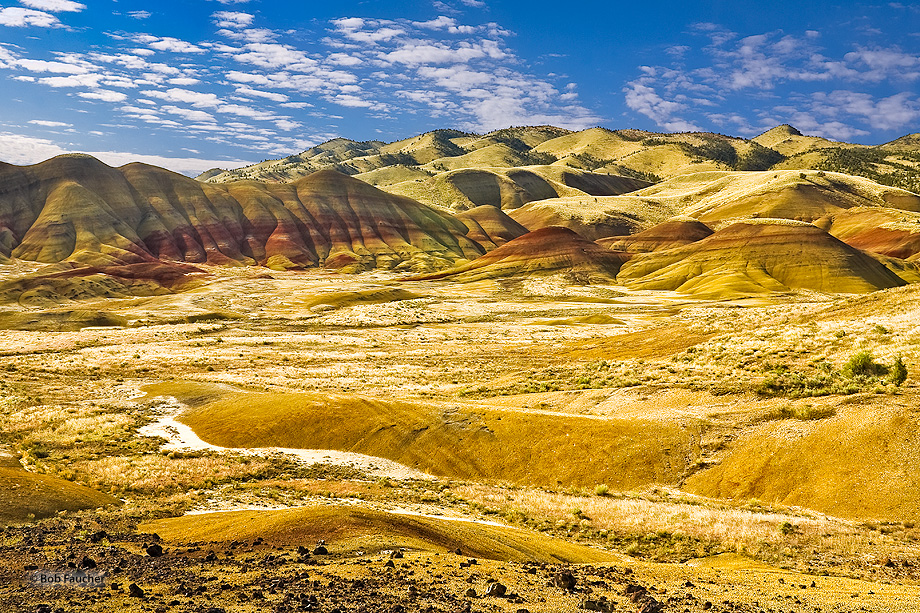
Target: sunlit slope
860,464
595,217
76,208
636,153
25,495
510,188
348,529
767,255
547,250
466,442
718,199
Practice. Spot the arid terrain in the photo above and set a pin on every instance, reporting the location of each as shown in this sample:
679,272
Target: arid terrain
691,394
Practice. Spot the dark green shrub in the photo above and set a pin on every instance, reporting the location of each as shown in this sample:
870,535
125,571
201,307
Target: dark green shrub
898,372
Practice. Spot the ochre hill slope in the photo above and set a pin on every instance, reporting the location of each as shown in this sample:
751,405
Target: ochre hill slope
547,250
25,495
890,232
347,529
755,256
719,199
76,208
675,232
466,442
860,463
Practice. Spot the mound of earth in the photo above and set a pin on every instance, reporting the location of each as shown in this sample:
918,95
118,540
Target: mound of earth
676,232
25,495
490,226
467,442
348,529
595,217
760,256
77,208
858,464
886,231
547,250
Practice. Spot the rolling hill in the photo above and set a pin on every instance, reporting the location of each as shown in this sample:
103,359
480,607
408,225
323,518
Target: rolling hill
756,256
639,154
76,208
548,250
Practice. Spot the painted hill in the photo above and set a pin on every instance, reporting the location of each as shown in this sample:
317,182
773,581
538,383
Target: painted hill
675,232
490,226
718,199
78,209
544,251
756,256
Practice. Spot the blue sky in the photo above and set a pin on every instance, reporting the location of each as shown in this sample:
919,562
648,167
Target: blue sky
201,83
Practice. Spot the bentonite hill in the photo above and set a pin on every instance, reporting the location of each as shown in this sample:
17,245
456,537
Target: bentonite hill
529,370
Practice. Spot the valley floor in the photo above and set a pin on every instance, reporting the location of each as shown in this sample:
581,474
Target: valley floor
723,452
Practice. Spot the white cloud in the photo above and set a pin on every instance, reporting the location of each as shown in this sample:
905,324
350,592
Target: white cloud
15,16
55,6
353,28
232,19
20,149
438,23
190,114
734,73
50,124
187,96
168,44
248,91
343,59
139,14
184,165
55,67
104,95
81,80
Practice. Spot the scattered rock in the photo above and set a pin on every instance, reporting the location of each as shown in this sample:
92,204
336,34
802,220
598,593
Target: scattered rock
135,591
320,550
155,550
471,593
99,536
43,608
564,580
496,589
87,562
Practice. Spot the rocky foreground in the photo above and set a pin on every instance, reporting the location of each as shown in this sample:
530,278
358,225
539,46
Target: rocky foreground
144,573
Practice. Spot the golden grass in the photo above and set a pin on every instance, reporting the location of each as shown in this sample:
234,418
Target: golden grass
152,473
350,529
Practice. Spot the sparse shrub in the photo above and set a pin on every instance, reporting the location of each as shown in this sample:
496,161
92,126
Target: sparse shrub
787,528
898,372
862,364
601,490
